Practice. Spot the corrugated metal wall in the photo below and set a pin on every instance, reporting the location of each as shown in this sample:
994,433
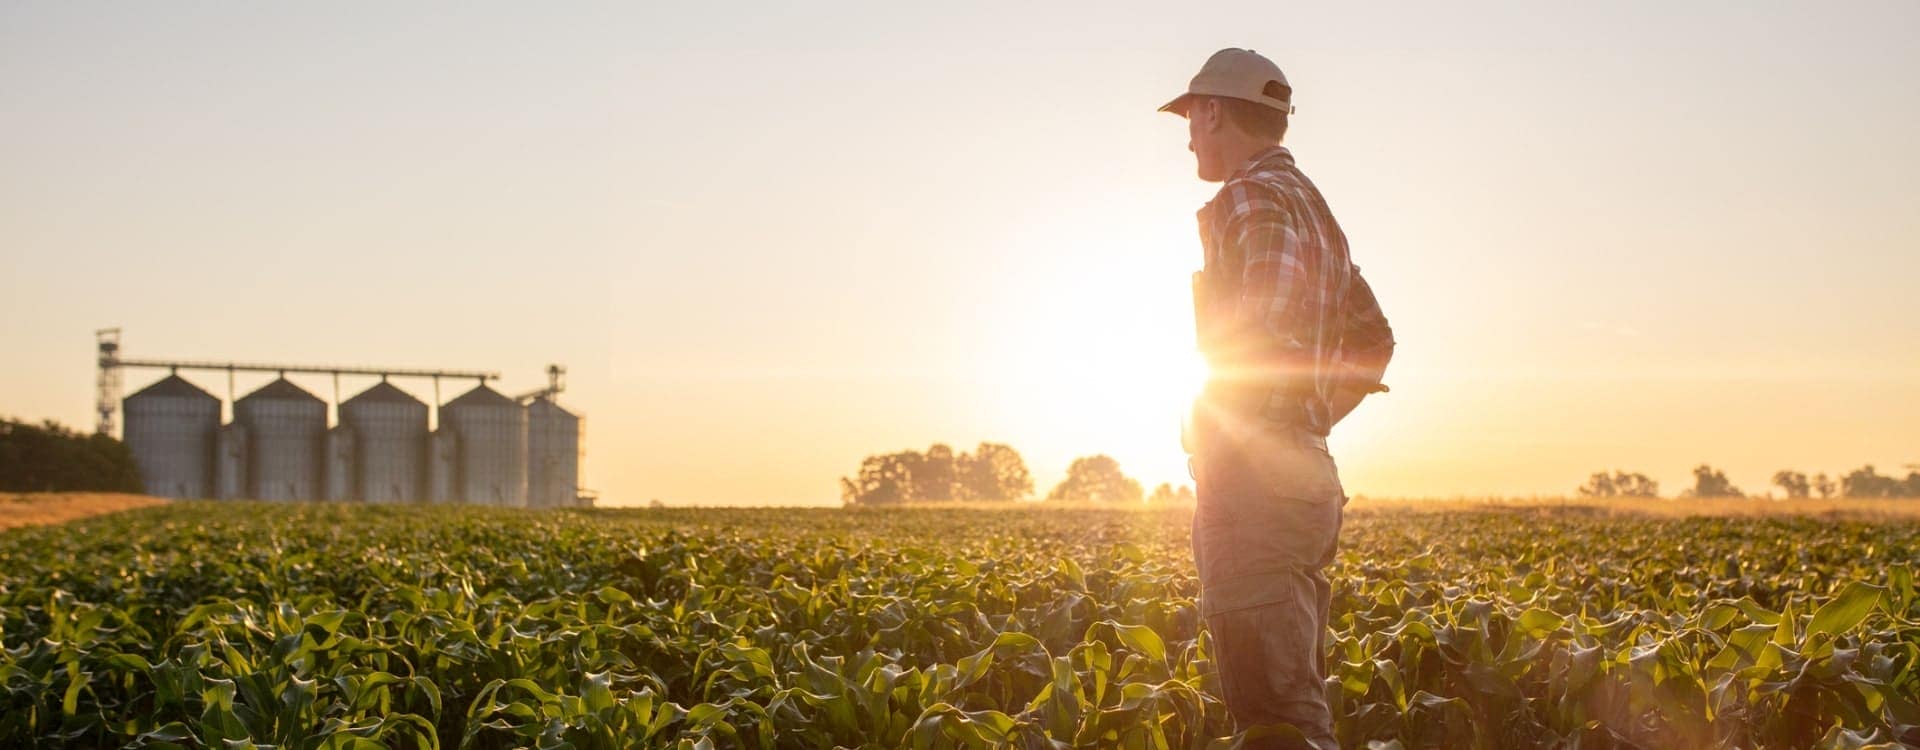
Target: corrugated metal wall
340,445
231,463
443,457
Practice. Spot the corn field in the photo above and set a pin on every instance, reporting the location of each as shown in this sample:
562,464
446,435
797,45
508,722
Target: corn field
328,626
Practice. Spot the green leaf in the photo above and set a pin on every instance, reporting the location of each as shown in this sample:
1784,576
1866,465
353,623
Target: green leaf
1141,639
76,681
598,695
1846,610
1540,622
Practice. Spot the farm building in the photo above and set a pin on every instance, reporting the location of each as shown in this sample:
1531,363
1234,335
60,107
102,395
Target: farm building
283,442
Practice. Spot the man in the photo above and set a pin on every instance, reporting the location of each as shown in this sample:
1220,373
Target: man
1293,339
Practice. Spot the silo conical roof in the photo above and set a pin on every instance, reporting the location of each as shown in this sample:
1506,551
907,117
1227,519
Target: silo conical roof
546,403
384,392
281,389
481,395
174,386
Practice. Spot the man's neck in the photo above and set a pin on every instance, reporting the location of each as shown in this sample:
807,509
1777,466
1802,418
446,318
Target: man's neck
1242,150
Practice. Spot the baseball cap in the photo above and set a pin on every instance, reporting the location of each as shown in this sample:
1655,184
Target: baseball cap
1239,74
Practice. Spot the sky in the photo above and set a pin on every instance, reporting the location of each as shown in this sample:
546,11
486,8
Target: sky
768,240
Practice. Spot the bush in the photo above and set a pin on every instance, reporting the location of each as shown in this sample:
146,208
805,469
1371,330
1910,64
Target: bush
50,458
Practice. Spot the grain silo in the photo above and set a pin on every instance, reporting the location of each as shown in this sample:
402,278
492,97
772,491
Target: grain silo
286,440
171,428
553,454
390,452
491,450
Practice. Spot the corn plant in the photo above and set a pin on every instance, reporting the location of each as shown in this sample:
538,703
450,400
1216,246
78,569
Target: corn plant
330,626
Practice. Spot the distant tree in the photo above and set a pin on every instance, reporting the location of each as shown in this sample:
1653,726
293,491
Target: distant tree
1165,494
48,457
1864,482
885,479
1619,484
1823,484
1794,483
1097,478
993,471
1911,487
1711,482
933,474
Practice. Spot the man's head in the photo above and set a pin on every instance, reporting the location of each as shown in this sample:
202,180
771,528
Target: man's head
1236,107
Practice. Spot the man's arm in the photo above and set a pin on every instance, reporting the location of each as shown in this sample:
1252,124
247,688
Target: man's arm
1366,345
1264,346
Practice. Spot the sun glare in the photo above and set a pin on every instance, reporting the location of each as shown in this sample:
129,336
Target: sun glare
1103,362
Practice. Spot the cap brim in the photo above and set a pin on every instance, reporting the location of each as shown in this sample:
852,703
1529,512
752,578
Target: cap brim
1179,104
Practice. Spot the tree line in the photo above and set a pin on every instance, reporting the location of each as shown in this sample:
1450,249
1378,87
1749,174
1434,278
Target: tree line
991,472
48,457
1861,483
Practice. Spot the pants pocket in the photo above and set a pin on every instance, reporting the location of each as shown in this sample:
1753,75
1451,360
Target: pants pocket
1304,473
1271,665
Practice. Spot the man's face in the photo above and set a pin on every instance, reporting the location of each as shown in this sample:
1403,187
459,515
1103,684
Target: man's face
1203,130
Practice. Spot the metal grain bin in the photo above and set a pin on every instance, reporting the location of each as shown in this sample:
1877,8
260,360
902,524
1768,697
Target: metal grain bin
286,431
230,463
340,444
441,450
490,465
390,457
553,455
171,428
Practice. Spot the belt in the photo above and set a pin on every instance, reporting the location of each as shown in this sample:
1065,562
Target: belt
1287,434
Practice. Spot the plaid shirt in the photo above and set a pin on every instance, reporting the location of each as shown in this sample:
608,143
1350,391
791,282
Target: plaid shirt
1284,318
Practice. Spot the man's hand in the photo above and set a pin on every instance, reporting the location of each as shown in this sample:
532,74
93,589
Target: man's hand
1347,397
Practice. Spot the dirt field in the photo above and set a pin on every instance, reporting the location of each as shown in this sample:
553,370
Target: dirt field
36,508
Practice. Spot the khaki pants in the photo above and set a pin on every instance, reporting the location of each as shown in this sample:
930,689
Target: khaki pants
1265,528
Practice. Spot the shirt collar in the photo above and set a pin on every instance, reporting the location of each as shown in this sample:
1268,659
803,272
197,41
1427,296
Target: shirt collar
1277,156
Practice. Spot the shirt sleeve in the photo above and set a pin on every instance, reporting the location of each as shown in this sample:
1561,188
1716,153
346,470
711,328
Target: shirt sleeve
1263,342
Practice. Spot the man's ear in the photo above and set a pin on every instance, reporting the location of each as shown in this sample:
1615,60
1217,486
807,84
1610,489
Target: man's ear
1210,108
